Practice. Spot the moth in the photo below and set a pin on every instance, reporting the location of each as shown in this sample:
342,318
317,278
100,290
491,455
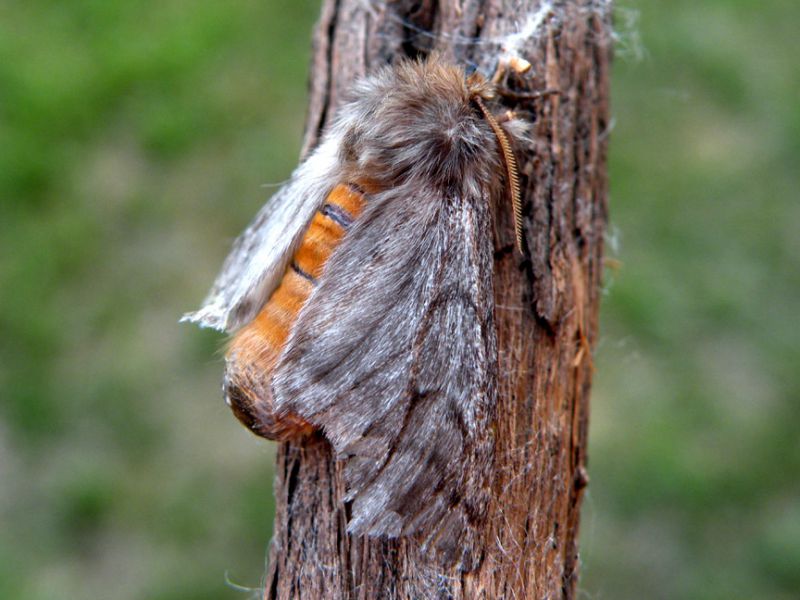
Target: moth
361,303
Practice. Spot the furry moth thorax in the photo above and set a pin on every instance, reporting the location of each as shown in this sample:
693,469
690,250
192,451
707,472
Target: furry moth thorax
420,122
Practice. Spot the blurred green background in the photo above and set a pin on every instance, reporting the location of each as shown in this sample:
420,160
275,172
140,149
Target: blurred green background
135,142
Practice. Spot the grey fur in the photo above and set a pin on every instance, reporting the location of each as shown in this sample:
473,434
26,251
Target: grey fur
394,357
394,354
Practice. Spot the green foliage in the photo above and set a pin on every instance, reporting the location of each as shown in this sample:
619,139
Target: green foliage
693,449
137,137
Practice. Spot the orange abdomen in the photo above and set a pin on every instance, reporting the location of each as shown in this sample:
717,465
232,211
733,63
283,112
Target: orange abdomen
255,349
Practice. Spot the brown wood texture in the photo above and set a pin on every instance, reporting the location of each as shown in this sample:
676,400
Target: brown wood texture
546,313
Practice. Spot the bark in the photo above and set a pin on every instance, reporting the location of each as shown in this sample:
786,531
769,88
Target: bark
546,312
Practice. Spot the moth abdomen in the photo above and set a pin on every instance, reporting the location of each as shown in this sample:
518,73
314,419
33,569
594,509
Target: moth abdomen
254,350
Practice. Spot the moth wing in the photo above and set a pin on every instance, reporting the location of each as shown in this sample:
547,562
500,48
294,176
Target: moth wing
394,357
260,254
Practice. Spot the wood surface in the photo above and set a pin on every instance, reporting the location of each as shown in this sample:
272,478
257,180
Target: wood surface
546,307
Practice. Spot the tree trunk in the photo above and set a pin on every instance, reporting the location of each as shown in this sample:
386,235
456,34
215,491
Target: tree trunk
546,306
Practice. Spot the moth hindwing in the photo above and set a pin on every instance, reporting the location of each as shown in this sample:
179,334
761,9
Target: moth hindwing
372,320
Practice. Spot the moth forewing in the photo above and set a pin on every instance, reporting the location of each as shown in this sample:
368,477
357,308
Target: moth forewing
407,394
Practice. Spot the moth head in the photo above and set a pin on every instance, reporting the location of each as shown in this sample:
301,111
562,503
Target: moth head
418,121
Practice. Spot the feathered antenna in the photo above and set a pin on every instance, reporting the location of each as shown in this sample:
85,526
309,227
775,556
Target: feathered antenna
511,170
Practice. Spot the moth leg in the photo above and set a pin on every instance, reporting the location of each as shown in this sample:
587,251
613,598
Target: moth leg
507,117
518,65
510,63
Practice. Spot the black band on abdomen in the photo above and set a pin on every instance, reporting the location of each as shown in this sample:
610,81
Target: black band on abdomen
303,274
337,214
